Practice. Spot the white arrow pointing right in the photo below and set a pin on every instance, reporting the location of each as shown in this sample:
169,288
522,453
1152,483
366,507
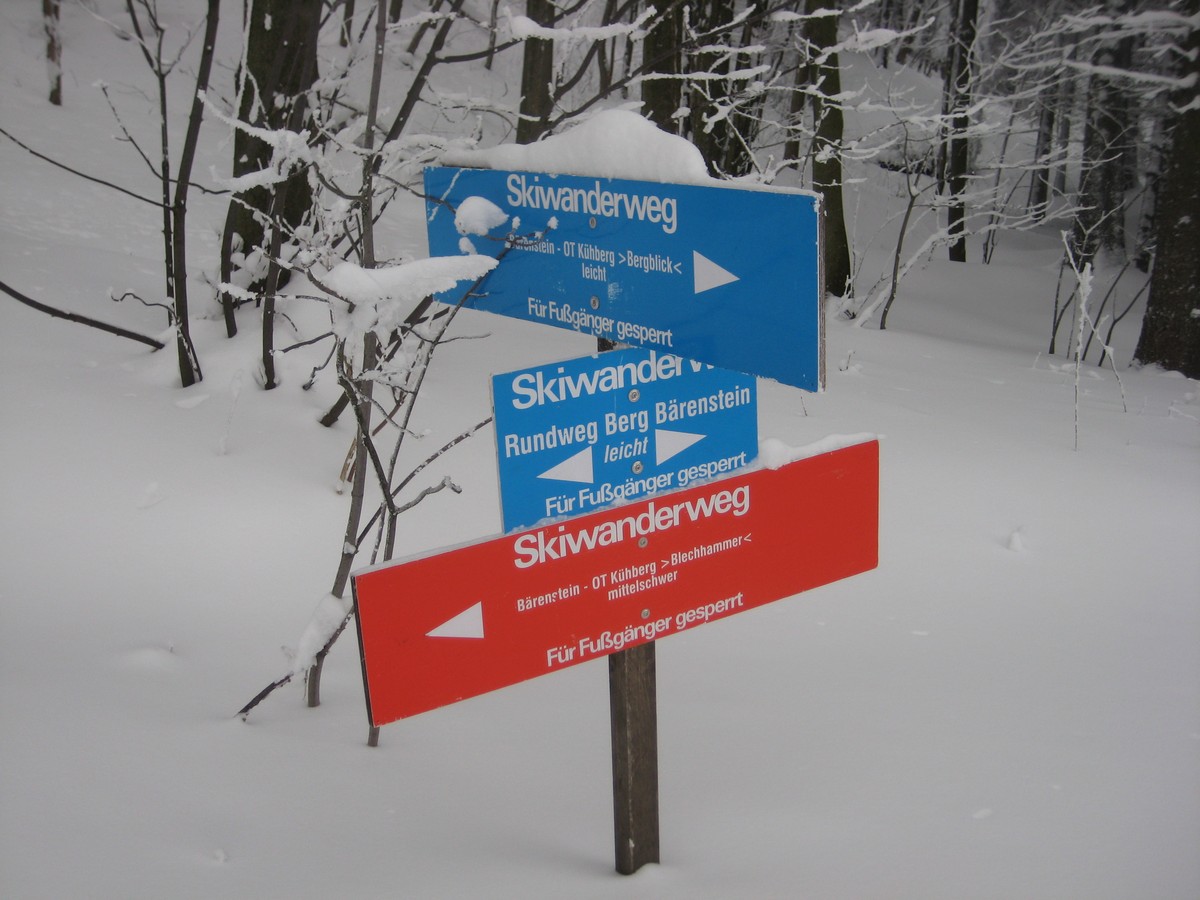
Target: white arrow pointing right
670,443
707,275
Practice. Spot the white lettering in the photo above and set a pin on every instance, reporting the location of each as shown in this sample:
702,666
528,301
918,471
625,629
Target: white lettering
536,389
702,614
530,193
555,542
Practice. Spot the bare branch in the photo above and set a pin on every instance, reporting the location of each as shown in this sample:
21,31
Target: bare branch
82,320
92,178
262,695
121,123
453,442
150,304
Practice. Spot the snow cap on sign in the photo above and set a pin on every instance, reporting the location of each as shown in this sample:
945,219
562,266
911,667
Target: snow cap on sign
615,143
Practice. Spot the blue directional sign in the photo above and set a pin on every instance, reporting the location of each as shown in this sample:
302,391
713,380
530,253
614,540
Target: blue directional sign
577,435
728,276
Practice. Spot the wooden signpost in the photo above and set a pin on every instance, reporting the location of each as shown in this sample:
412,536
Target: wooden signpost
634,262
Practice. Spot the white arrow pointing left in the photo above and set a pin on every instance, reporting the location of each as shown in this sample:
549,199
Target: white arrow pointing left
467,624
573,468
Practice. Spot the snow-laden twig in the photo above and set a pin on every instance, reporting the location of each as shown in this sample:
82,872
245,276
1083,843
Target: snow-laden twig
290,150
523,28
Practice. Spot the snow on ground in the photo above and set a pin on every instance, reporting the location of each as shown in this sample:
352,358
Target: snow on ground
1009,706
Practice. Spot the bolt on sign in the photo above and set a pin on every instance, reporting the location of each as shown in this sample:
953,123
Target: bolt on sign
447,626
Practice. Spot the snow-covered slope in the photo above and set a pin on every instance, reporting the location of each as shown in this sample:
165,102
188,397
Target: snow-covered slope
1009,706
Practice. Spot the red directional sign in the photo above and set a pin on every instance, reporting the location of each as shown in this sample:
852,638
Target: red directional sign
441,628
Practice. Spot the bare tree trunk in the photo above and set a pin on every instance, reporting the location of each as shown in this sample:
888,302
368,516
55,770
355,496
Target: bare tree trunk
1147,224
1093,208
280,67
271,289
50,21
888,17
174,208
791,147
347,24
1170,334
1039,184
1062,131
179,204
493,18
168,233
1107,150
912,202
957,158
827,160
537,71
661,53
605,59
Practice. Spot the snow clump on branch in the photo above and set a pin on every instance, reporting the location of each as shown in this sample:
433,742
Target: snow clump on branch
379,299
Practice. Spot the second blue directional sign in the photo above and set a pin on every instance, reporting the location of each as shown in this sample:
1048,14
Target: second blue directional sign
577,435
728,276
